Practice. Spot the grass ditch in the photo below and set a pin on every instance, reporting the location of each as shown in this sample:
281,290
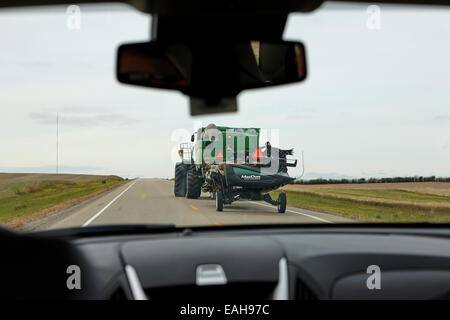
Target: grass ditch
26,199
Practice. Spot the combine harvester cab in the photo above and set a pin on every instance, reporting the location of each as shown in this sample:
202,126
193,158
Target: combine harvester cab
230,164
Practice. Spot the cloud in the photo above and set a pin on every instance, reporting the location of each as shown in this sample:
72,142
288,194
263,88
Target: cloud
79,109
299,117
52,169
34,64
82,65
442,118
81,117
85,8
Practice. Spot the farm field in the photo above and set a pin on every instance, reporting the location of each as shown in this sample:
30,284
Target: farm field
377,202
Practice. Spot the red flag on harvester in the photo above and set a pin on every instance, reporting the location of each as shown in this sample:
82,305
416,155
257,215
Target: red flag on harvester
258,154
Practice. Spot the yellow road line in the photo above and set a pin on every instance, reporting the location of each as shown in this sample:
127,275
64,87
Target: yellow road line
194,207
218,224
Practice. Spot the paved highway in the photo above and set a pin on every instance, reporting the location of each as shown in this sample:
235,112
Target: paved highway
152,201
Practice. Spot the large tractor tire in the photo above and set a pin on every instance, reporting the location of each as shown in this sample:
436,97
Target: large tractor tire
194,184
219,201
179,187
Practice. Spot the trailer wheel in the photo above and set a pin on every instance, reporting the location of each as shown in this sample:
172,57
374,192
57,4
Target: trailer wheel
282,202
219,201
179,187
194,185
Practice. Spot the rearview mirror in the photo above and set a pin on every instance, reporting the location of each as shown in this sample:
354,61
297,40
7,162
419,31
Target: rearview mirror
206,68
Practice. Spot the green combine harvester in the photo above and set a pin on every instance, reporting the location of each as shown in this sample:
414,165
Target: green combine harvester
230,164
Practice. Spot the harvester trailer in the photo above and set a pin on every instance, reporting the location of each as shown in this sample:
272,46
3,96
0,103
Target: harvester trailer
230,164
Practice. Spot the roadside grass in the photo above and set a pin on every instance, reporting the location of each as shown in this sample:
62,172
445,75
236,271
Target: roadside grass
29,198
369,211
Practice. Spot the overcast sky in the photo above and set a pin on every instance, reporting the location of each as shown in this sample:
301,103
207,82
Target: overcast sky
376,102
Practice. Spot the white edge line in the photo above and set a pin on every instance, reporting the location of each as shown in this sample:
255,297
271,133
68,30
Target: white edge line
303,214
106,207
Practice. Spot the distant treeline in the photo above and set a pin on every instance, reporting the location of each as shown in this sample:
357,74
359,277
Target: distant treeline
374,180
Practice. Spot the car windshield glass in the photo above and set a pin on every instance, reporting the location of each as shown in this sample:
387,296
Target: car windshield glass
364,138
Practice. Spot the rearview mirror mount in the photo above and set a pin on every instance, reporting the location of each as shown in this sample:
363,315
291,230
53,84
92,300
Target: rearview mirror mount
201,106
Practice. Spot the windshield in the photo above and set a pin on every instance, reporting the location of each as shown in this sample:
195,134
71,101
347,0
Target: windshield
365,138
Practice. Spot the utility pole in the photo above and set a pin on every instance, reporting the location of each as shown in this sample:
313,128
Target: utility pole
57,142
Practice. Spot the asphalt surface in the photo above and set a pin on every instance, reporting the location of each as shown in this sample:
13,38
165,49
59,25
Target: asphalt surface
152,201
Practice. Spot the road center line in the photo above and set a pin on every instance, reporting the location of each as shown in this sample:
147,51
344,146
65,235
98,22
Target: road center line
303,214
106,207
194,207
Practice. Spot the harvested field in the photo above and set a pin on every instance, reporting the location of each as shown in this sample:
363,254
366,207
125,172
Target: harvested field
381,202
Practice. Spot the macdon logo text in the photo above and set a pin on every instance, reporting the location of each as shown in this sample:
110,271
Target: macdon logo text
250,177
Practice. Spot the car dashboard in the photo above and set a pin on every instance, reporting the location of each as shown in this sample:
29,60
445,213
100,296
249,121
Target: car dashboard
270,263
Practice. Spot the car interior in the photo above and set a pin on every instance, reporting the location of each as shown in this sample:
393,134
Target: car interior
211,263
